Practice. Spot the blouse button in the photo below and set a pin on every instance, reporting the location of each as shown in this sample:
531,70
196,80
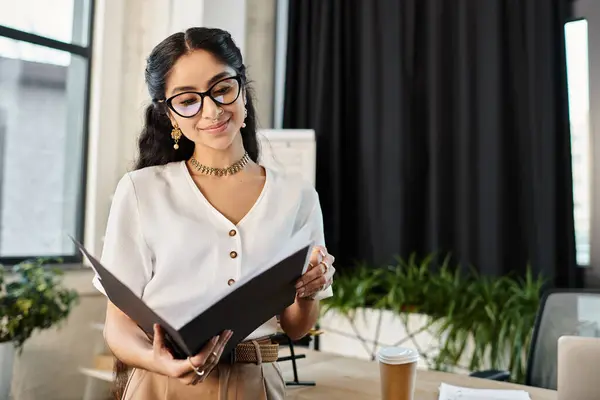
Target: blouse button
231,282
232,233
233,254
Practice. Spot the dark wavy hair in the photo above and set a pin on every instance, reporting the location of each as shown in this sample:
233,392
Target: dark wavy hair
155,145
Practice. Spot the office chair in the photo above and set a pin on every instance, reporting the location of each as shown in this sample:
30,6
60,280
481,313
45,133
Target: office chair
573,312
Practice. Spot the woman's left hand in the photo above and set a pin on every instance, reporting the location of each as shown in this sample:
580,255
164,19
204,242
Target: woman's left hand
319,274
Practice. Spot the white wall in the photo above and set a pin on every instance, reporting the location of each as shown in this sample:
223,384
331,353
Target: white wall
229,15
260,55
186,13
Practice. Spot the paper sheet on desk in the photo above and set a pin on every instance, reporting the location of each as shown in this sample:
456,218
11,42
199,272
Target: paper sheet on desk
449,392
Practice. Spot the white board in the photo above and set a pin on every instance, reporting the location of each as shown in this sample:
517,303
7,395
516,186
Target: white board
293,151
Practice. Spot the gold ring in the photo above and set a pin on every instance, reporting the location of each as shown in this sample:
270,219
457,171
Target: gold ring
196,369
325,265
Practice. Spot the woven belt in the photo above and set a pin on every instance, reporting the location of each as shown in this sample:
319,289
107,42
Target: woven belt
255,352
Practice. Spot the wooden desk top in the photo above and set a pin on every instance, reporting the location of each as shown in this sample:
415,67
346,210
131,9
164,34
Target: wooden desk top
344,378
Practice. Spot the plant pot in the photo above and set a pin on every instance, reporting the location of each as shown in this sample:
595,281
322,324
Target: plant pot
371,329
7,359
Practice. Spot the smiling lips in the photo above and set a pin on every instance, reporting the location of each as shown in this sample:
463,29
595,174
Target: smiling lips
218,127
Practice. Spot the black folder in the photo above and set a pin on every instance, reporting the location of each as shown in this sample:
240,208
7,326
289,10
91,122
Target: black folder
250,303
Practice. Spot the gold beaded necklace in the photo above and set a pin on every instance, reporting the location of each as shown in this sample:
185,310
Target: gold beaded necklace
232,169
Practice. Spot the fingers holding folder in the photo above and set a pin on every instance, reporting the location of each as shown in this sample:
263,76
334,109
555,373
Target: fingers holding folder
319,274
194,369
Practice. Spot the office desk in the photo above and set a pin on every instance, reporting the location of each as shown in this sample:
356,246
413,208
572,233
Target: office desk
344,378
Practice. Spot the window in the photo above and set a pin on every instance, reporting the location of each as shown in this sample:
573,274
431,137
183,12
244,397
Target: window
44,79
576,38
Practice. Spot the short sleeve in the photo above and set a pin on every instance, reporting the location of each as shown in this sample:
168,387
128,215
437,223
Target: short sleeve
125,252
315,219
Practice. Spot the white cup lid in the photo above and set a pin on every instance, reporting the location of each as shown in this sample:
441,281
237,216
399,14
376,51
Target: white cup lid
397,355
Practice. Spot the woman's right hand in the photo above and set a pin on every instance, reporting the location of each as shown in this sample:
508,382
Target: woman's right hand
193,369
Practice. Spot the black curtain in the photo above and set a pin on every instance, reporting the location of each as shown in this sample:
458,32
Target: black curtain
442,126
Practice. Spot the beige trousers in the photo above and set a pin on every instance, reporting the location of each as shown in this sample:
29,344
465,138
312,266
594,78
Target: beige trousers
240,381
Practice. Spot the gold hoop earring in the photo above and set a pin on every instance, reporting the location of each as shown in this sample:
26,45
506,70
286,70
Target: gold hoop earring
176,135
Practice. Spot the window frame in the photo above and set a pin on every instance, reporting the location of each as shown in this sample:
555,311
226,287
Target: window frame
86,53
575,18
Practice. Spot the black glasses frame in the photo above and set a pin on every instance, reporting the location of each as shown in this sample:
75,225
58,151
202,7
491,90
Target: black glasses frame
202,95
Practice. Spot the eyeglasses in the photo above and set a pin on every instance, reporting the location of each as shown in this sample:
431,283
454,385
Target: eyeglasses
188,104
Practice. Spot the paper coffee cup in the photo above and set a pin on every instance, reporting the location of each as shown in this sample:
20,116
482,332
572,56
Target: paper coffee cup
398,372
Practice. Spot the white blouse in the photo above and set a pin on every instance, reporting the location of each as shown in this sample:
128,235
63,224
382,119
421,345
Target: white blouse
169,245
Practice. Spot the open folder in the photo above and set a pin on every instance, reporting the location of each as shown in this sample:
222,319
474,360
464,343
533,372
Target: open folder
252,301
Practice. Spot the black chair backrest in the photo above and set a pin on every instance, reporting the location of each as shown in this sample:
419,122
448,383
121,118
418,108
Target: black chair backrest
574,312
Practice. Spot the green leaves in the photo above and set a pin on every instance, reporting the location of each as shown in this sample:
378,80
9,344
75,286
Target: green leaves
482,322
32,297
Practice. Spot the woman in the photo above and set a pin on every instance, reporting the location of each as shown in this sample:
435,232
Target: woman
196,215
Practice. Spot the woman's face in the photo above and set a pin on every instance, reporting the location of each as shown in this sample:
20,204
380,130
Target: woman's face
215,125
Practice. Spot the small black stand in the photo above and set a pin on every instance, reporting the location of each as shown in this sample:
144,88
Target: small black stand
292,357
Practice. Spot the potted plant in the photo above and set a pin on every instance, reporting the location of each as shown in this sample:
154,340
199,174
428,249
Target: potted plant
457,319
374,306
31,298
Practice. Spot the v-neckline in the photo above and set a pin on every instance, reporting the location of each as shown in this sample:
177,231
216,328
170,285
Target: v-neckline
219,214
